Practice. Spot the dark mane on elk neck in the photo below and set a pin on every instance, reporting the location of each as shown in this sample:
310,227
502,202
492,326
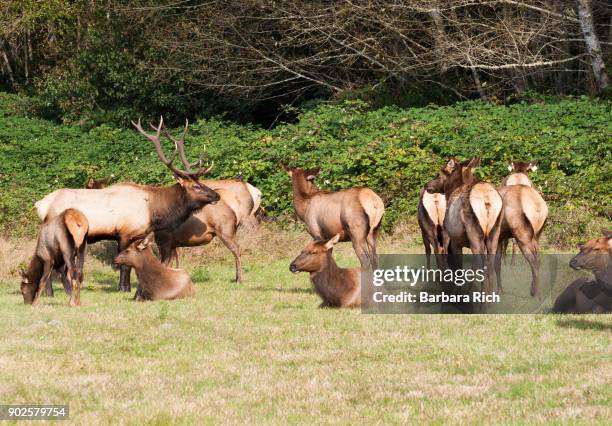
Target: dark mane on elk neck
169,206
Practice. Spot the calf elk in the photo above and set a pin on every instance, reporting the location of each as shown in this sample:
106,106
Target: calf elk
155,280
585,296
338,287
523,219
473,214
61,244
430,215
354,214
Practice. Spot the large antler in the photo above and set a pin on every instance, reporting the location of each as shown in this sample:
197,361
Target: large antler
180,145
178,148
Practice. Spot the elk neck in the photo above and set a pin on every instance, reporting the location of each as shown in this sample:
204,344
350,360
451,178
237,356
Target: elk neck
169,207
148,265
328,269
302,192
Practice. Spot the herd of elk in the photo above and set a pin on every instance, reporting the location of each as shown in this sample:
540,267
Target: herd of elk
473,213
156,281
455,210
127,211
586,296
354,214
61,246
338,287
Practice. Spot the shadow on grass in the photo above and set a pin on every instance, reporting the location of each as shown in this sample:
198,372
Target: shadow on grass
283,289
583,324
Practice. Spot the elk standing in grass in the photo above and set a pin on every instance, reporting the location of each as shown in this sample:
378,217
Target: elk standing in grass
155,280
585,296
125,212
61,244
201,227
524,216
354,214
430,215
338,287
473,213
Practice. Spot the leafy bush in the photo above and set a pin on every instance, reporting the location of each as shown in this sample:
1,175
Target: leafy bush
392,150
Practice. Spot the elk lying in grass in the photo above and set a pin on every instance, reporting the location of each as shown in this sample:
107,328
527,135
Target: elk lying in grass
430,215
338,287
523,219
585,296
125,212
61,243
155,280
201,227
354,214
473,213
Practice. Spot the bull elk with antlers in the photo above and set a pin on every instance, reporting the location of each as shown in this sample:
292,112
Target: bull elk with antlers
354,214
128,211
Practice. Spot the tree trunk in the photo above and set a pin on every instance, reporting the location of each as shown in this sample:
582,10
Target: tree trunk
592,43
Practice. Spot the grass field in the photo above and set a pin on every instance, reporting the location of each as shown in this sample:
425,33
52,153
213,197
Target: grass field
261,352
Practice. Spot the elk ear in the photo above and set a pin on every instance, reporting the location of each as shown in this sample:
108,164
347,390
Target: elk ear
287,169
474,162
450,165
24,274
180,180
333,240
607,233
533,166
310,174
510,166
143,244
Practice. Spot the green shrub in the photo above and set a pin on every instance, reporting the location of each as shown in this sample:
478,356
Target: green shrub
392,150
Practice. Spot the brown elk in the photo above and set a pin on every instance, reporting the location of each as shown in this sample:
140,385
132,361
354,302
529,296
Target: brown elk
61,243
127,211
338,287
523,219
201,227
590,296
155,280
430,215
473,213
354,214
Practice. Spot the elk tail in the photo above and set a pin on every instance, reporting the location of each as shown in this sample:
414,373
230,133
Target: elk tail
77,225
535,209
256,196
374,209
486,203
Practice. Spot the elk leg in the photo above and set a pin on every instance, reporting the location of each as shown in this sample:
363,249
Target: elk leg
124,274
65,281
47,269
427,253
371,242
49,287
360,249
530,250
231,244
512,260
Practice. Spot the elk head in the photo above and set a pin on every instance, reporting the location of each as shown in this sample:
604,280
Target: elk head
314,256
97,183
28,287
196,193
132,256
436,185
302,179
595,255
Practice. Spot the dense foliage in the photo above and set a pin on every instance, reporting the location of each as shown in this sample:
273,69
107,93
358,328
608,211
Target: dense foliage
395,151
